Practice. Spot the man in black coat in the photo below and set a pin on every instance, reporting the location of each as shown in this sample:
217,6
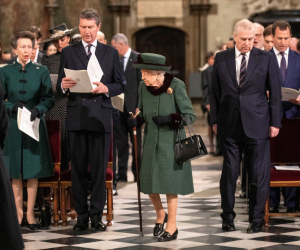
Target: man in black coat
133,79
10,233
89,118
245,120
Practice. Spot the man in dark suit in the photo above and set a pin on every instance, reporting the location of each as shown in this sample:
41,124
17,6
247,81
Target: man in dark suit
89,118
10,233
133,79
289,64
244,118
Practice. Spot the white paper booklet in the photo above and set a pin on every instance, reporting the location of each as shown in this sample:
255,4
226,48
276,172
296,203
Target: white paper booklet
288,94
290,168
85,78
54,80
118,102
25,125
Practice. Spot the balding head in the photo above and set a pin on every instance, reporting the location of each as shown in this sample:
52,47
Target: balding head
120,43
244,35
293,43
101,37
258,38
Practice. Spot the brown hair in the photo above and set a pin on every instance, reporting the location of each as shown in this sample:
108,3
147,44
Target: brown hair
36,31
282,25
208,55
90,14
21,34
268,30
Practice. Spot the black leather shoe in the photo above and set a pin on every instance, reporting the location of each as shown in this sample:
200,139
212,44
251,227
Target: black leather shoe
228,225
159,228
100,226
255,227
274,210
34,226
81,225
292,210
166,236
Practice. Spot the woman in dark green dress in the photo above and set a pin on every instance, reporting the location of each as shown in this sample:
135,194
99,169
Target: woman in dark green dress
162,103
26,85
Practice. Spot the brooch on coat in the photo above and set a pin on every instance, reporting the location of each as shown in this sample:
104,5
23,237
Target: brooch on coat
170,91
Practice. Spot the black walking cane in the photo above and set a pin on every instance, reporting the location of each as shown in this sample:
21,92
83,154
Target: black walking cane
137,175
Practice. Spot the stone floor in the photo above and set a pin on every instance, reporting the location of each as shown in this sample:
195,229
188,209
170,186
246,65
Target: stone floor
199,223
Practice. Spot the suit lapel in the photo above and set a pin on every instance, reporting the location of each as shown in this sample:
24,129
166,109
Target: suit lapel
282,82
100,51
291,65
129,64
253,59
232,68
80,51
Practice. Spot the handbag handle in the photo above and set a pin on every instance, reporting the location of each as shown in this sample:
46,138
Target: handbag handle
190,128
179,131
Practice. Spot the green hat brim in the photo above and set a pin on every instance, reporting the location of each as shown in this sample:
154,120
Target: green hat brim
151,67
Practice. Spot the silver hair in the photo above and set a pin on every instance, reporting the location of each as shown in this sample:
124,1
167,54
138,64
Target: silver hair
120,38
90,14
244,24
259,25
101,33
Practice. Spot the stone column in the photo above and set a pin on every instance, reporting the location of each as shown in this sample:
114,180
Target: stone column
199,9
51,7
120,10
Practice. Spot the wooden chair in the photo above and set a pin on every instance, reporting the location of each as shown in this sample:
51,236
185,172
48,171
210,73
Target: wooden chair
65,182
284,150
53,129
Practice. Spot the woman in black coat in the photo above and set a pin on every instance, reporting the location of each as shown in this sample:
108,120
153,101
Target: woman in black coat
10,233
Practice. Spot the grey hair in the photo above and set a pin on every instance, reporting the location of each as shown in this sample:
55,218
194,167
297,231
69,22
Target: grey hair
90,14
244,24
22,34
120,38
259,25
101,33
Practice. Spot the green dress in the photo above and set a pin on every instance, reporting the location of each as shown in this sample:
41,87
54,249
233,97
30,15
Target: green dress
160,173
22,154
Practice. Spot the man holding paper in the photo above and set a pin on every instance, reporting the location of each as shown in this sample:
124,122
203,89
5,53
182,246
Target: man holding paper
289,64
89,117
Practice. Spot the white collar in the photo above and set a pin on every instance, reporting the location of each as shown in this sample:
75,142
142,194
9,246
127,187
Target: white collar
238,53
19,60
86,44
127,54
277,52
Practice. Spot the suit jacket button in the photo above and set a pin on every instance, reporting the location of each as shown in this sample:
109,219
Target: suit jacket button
154,100
83,99
241,95
154,111
94,100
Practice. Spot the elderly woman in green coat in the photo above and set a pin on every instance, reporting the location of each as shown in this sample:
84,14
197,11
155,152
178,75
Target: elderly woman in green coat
26,85
163,102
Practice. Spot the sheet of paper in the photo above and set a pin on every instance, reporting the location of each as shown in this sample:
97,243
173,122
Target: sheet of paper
118,102
25,125
54,80
94,70
290,168
83,82
288,93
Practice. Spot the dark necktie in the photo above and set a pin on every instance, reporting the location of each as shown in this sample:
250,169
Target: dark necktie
243,71
122,61
283,66
89,54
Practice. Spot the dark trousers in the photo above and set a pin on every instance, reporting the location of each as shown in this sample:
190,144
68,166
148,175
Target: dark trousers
89,148
257,161
123,147
289,194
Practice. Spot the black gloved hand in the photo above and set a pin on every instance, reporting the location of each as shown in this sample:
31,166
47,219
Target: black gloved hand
15,108
161,119
132,122
34,114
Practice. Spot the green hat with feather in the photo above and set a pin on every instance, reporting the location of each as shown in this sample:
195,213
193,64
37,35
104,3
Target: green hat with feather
151,61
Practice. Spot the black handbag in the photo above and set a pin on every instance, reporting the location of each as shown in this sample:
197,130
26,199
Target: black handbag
190,148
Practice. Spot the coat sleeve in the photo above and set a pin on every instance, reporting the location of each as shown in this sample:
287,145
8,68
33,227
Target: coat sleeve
274,87
215,93
61,74
46,92
3,119
9,106
184,103
116,87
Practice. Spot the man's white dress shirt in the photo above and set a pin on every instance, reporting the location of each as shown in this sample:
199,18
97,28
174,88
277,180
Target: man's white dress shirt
126,58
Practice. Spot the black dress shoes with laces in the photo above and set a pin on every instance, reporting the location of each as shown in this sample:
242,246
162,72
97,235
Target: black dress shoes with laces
255,227
292,210
100,226
159,228
166,236
228,225
81,225
274,210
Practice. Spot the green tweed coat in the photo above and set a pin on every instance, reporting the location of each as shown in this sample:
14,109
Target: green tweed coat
159,171
22,154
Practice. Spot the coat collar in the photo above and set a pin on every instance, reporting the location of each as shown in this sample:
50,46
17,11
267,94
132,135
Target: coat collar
253,60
